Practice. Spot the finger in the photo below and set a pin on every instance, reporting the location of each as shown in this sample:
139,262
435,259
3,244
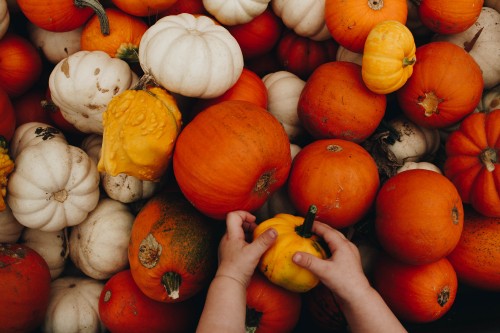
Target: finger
333,238
309,262
234,223
262,243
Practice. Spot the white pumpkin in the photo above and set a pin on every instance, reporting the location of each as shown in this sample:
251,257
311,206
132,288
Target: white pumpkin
344,54
51,245
32,133
99,245
54,185
191,55
305,17
283,90
55,46
121,187
4,17
490,100
84,83
10,228
419,165
482,42
74,306
236,11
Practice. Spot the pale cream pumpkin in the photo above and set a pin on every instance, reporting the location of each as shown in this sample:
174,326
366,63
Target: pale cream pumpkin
236,11
10,228
32,133
419,165
4,17
344,54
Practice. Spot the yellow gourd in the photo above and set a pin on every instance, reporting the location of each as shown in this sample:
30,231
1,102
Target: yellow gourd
294,234
140,130
6,167
388,57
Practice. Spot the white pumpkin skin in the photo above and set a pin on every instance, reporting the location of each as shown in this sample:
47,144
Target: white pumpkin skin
32,133
99,245
235,12
74,306
344,54
283,90
54,185
192,56
10,228
4,17
55,46
51,245
83,84
419,165
486,48
305,17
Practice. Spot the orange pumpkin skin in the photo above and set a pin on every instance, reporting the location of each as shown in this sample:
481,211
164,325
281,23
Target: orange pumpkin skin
143,7
124,308
349,22
335,103
473,161
340,177
271,308
418,216
25,288
449,17
173,249
233,155
416,293
185,6
476,258
446,85
125,33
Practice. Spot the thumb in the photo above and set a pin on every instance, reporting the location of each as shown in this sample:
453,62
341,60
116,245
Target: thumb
264,241
308,261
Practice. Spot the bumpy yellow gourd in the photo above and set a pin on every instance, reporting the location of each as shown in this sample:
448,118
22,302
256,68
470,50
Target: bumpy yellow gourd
140,130
388,57
6,167
294,234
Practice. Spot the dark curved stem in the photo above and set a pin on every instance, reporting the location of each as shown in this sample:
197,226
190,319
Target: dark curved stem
99,11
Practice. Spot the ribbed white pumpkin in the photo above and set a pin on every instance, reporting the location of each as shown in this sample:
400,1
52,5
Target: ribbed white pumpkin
305,17
54,185
191,55
235,12
10,229
32,133
4,17
83,84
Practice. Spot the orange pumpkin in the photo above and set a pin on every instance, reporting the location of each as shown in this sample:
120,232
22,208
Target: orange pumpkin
185,6
449,17
335,103
143,7
233,155
125,32
446,85
476,258
419,216
340,177
473,161
173,249
416,293
349,22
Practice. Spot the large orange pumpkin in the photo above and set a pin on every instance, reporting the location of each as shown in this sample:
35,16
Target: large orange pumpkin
173,249
233,155
338,176
476,258
446,85
144,7
449,17
473,161
416,293
419,216
335,103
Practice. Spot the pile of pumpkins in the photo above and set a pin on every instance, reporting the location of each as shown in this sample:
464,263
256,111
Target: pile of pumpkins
129,129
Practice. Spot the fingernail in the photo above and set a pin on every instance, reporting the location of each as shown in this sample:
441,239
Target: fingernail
273,233
297,257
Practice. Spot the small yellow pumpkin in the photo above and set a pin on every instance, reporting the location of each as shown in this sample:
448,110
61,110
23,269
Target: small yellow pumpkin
140,130
388,57
6,167
294,234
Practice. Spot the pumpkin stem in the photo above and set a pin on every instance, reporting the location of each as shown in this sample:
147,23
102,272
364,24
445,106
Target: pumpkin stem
469,45
171,281
128,52
430,103
252,320
443,296
305,229
489,157
376,4
145,81
409,62
99,11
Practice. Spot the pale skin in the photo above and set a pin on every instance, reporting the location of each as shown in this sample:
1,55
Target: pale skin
342,273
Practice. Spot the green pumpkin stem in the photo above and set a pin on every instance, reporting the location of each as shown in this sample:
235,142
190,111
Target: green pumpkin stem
171,281
305,229
99,11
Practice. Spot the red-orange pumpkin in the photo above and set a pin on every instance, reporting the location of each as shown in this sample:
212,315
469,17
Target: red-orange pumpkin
173,249
416,293
473,161
476,258
29,108
335,103
419,216
8,116
449,17
446,85
340,177
233,155
185,6
25,288
144,7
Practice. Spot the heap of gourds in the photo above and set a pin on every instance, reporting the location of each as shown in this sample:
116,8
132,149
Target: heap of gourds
129,129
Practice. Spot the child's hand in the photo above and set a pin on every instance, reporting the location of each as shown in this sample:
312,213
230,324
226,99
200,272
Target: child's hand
342,273
237,257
